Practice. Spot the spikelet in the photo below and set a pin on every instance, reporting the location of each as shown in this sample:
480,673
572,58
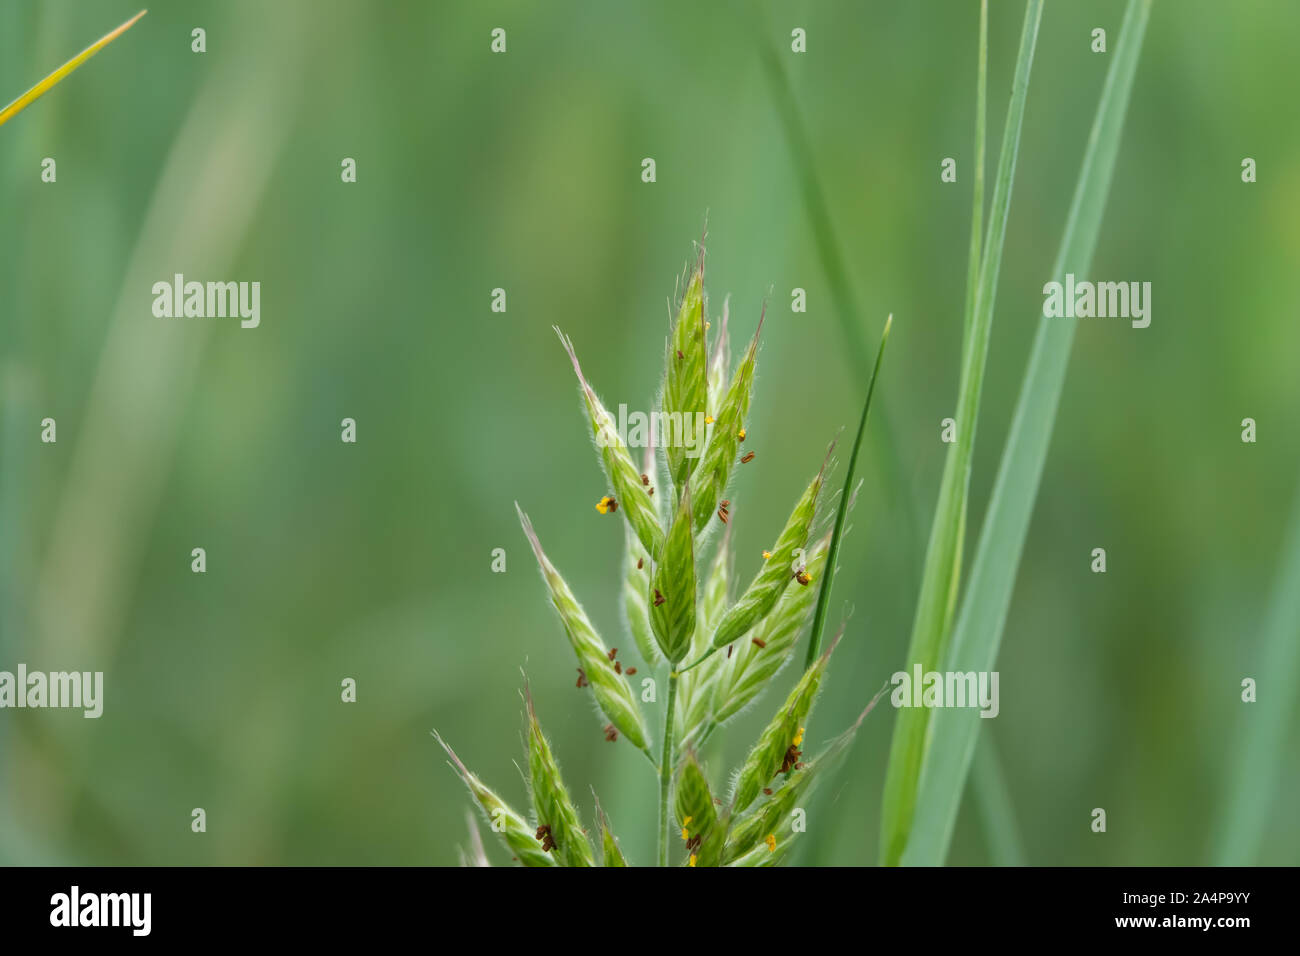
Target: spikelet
697,815
633,497
672,586
686,380
550,799
758,659
724,443
611,852
612,692
777,572
513,828
772,815
777,741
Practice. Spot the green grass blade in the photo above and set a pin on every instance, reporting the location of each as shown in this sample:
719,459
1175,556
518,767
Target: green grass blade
47,84
929,631
977,202
1253,782
978,631
824,595
993,799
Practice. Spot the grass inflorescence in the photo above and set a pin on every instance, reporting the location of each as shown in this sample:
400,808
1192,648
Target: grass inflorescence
677,602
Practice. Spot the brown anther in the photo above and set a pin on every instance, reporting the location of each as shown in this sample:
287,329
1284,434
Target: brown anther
640,563
630,671
582,677
768,791
659,598
747,459
613,653
652,490
645,479
759,641
618,667
791,760
679,354
611,734
730,647
802,578
548,841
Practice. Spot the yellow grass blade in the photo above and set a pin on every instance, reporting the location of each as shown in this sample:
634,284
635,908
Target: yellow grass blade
39,90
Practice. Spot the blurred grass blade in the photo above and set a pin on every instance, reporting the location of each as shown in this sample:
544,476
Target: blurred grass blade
47,84
1253,782
978,631
929,631
977,203
824,594
993,798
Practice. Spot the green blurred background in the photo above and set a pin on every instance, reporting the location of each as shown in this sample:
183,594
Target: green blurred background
522,171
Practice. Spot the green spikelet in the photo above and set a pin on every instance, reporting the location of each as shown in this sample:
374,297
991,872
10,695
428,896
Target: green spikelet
695,691
611,852
550,799
501,819
776,573
757,660
632,496
777,742
697,815
672,591
686,381
772,815
724,443
613,694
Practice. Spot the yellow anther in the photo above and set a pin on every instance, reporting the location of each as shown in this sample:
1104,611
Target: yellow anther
692,863
603,504
798,738
741,434
766,555
708,419
771,843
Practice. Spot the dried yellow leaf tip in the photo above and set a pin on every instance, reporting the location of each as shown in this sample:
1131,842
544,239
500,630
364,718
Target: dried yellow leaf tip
45,85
